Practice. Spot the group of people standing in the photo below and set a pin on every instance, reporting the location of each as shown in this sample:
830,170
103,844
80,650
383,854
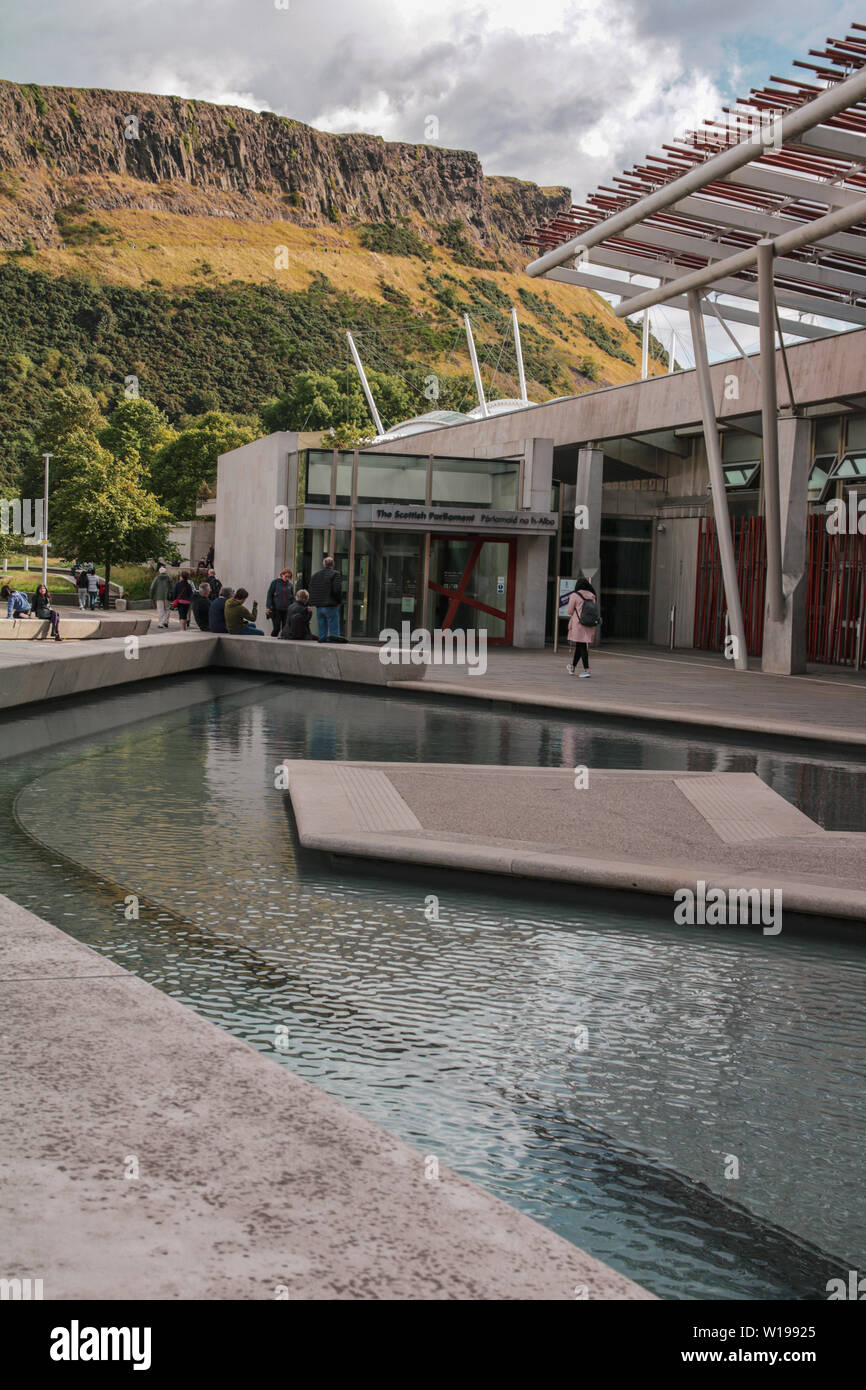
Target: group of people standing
179,595
214,607
91,589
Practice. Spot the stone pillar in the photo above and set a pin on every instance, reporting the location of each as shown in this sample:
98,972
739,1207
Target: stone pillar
530,598
587,514
784,651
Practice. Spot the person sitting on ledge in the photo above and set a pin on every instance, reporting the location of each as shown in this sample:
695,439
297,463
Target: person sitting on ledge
298,614
17,604
43,610
217,615
239,620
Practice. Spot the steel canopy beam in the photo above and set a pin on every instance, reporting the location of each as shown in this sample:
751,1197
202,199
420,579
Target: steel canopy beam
734,312
717,478
812,113
667,272
770,432
803,235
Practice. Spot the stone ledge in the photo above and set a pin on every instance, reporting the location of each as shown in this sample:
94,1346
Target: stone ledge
336,661
623,853
250,1177
71,629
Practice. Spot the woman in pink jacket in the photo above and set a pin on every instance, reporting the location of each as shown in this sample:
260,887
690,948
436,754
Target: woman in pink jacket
581,635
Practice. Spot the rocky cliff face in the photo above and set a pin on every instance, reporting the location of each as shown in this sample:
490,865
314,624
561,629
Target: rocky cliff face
127,149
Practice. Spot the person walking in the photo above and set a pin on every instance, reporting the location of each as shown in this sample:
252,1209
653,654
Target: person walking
160,594
217,615
17,604
326,591
239,620
214,583
43,610
92,588
280,597
208,559
201,607
297,624
583,622
81,586
181,598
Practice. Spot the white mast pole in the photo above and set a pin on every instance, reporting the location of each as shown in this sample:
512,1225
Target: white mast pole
475,371
367,392
519,351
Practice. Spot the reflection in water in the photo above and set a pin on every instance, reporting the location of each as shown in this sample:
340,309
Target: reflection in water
459,1035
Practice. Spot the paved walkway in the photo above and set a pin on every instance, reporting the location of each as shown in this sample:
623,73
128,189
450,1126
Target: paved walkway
690,688
638,684
654,832
147,1154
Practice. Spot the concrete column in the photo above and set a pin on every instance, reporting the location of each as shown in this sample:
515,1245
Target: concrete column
587,513
784,650
530,599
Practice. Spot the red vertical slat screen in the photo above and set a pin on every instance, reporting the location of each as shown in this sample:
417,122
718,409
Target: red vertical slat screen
835,590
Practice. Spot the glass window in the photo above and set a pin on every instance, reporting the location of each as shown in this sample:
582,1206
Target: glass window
392,478
820,472
739,447
855,432
741,475
314,480
476,482
852,466
345,468
827,432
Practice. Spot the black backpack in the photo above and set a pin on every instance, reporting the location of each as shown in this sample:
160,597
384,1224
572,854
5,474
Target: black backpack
589,614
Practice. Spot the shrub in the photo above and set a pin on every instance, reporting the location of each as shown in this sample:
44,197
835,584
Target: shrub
393,239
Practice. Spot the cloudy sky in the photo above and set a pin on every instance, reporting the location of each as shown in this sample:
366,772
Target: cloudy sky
556,91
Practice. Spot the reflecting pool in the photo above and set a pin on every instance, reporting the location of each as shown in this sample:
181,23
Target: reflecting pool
604,1071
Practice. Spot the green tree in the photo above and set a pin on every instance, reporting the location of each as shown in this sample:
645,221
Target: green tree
70,413
103,509
68,408
136,431
327,400
186,468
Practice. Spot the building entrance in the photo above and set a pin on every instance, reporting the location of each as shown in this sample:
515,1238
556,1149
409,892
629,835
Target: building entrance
470,584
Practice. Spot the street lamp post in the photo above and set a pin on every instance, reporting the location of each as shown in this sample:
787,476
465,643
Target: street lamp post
47,458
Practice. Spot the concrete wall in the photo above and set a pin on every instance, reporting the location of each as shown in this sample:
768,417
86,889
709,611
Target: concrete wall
251,482
828,369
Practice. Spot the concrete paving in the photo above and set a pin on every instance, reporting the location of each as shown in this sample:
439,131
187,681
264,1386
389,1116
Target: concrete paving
689,689
147,1154
693,688
653,832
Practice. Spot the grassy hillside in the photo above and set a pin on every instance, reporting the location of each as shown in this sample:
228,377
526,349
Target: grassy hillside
216,305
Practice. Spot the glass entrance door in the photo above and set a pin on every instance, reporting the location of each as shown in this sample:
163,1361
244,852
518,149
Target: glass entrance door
471,585
387,566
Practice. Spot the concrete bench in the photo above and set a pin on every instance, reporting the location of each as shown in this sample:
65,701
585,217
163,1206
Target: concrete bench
337,661
71,629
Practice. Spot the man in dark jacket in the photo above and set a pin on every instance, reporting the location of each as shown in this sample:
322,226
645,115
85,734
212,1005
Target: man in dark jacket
201,607
326,591
217,615
214,583
297,624
280,597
